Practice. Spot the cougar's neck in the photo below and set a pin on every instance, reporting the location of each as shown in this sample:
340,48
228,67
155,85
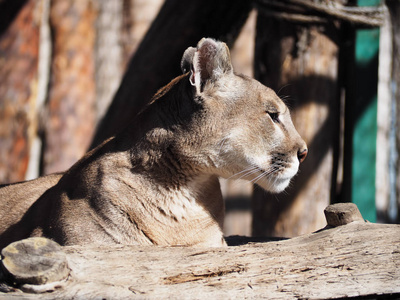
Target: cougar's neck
158,136
161,143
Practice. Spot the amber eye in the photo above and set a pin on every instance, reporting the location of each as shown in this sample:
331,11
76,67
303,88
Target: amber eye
274,116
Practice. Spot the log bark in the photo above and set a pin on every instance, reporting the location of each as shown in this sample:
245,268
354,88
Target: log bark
35,261
355,260
71,104
19,44
384,179
137,18
157,60
300,63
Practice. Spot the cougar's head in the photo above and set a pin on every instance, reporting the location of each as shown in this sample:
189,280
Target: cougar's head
245,130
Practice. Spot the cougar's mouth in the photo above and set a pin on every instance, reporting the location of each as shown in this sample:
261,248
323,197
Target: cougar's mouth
277,177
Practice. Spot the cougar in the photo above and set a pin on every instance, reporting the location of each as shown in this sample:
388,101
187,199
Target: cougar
156,182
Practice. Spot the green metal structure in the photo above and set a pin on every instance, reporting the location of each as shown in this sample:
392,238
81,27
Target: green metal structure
365,126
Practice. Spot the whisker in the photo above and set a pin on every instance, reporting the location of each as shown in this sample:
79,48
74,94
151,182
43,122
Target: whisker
243,171
284,86
258,178
264,174
248,173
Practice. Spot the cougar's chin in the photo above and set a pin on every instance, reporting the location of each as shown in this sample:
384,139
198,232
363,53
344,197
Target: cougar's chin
275,185
278,181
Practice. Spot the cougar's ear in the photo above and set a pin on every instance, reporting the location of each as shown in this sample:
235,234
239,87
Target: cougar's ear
208,62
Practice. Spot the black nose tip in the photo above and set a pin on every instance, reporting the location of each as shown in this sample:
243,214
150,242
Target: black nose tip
302,154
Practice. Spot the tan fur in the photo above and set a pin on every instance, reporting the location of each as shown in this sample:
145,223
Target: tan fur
16,198
157,181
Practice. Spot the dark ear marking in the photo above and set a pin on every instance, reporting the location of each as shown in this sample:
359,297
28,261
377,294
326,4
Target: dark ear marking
187,60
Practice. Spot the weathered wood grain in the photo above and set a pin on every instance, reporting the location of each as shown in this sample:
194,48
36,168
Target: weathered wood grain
354,260
35,261
342,214
394,11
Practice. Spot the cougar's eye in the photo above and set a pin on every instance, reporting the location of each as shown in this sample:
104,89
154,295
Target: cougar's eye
274,116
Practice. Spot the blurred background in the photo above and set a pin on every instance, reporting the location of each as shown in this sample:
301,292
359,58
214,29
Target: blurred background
74,72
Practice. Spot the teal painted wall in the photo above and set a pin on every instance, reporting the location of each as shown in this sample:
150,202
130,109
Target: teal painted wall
365,129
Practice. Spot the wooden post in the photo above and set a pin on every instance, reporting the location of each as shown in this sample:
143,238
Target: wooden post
300,63
71,104
385,168
346,83
342,213
394,10
19,43
120,27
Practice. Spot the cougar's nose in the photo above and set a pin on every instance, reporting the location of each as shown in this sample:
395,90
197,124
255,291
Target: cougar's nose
302,154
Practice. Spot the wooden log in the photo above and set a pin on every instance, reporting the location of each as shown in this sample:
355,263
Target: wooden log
120,27
394,10
355,260
71,104
342,213
35,261
300,63
19,44
384,167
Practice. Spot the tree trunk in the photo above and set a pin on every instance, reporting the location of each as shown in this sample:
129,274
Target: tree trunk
137,18
157,60
300,63
9,9
19,44
71,104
